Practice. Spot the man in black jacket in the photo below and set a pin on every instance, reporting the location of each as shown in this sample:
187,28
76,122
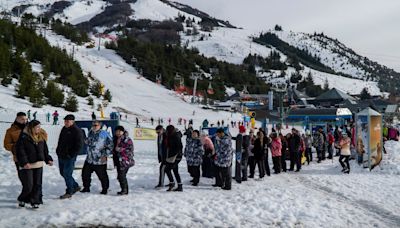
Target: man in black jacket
174,146
162,154
294,150
70,143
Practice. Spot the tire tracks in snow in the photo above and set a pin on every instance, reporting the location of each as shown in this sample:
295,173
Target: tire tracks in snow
384,215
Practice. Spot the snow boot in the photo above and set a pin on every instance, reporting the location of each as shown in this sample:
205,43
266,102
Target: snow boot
104,192
77,189
158,186
124,191
179,188
170,187
85,190
21,204
35,206
66,196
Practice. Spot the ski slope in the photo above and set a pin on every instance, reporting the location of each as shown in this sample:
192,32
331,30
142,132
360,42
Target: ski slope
133,92
81,11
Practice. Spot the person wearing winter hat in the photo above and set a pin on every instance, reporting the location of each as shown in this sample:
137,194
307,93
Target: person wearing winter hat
69,145
32,152
122,157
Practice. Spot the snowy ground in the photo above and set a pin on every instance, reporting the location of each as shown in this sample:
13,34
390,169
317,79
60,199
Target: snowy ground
319,196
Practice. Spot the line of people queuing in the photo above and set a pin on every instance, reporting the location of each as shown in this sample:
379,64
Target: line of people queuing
212,156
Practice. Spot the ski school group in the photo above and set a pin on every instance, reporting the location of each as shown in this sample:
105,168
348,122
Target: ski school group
212,157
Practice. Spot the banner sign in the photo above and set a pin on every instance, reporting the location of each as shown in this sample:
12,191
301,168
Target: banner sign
362,139
144,134
375,156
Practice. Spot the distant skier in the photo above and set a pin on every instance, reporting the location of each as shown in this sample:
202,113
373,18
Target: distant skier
137,122
169,121
222,123
152,121
48,117
218,124
34,115
55,117
93,116
29,115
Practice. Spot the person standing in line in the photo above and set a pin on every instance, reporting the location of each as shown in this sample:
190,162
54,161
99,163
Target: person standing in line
319,144
345,152
276,151
99,147
223,162
32,152
331,141
283,151
174,156
194,152
259,154
245,154
294,150
123,153
162,155
69,145
207,167
267,144
238,153
308,144
251,161
12,136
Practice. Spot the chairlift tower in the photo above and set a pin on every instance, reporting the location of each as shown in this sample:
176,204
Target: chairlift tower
195,76
280,89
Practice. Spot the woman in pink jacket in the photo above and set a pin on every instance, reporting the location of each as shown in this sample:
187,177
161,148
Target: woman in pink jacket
276,147
207,167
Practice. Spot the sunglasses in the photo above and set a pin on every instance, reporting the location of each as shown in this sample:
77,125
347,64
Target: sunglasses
95,125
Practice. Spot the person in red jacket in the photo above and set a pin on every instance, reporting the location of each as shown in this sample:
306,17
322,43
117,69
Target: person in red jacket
276,151
331,141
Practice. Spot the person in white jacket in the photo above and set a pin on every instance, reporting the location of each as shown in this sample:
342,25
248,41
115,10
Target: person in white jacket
345,152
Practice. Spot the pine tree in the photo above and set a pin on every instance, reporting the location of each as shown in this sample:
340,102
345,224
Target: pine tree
36,97
326,85
54,94
90,101
71,104
95,89
365,95
107,95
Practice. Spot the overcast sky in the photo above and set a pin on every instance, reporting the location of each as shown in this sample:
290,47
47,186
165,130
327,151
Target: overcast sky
369,27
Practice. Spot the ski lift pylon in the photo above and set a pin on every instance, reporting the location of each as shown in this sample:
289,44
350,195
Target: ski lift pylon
210,89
